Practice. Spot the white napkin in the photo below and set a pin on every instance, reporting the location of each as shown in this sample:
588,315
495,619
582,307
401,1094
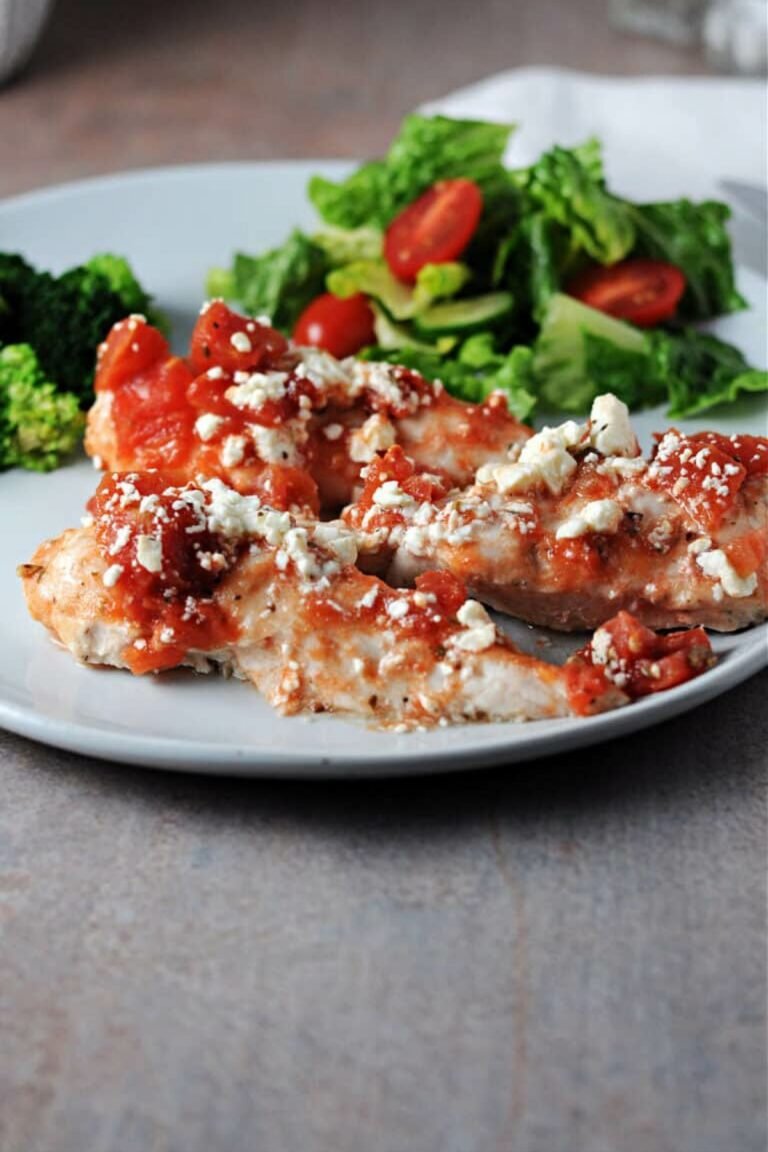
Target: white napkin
663,137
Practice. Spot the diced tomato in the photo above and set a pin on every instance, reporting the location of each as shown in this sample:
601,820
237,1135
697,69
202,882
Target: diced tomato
747,553
701,476
223,338
132,347
208,394
635,661
751,451
586,685
283,488
395,465
153,415
341,327
434,229
645,292
157,600
448,590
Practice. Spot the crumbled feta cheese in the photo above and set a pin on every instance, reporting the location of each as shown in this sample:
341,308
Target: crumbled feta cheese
703,544
333,431
397,609
232,451
478,630
322,369
337,539
717,565
149,553
544,459
390,495
375,435
240,342
610,431
208,425
275,445
252,390
596,516
369,599
122,536
112,575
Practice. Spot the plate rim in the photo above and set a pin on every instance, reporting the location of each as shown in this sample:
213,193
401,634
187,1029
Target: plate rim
536,739
572,734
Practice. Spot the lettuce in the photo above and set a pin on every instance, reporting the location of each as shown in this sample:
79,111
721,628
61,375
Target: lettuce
427,149
475,372
580,353
701,371
278,284
577,348
373,278
695,238
567,186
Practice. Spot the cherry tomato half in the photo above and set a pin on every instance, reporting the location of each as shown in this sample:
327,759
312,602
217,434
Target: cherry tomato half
645,292
434,229
341,327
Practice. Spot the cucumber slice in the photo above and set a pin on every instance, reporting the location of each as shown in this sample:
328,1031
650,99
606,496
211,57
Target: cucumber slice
464,316
389,334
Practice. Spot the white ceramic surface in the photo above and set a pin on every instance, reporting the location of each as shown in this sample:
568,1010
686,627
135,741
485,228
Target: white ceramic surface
174,224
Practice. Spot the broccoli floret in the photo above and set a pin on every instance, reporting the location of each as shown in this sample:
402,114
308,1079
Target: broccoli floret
16,279
38,424
119,275
65,318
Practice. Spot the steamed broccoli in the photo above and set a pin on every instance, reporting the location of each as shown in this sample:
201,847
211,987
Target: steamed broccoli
64,318
38,424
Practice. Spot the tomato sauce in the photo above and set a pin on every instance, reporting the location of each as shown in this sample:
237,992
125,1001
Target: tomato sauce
624,655
171,603
701,474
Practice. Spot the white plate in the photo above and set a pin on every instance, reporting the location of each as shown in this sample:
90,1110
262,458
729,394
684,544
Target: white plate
173,224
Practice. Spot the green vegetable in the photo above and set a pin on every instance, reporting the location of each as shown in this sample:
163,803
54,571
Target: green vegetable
279,284
373,278
390,334
64,318
464,316
427,149
528,262
569,367
540,227
121,280
16,279
438,282
345,245
38,424
695,238
567,185
581,352
474,373
701,371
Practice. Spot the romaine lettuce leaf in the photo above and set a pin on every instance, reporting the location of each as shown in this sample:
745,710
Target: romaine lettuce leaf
474,373
695,238
278,284
576,346
427,149
700,371
567,186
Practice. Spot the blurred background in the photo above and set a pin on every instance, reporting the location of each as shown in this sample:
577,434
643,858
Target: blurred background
93,87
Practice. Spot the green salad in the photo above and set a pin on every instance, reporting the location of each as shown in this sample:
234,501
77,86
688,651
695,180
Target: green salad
537,281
